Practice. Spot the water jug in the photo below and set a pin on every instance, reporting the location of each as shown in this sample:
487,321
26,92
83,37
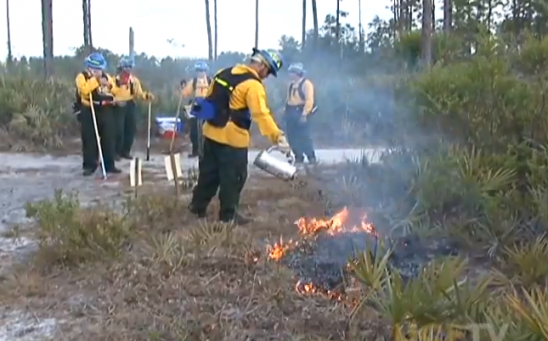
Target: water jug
285,170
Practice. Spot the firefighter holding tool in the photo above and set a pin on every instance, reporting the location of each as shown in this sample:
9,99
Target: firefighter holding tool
299,107
130,89
94,82
196,88
235,98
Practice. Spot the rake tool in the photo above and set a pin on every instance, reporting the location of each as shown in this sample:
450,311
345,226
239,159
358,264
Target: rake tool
97,138
148,129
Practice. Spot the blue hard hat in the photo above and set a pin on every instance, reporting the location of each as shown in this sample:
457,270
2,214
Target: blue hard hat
201,66
96,60
272,58
126,62
296,68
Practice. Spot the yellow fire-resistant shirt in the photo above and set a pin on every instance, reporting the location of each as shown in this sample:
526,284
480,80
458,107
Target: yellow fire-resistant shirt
248,94
294,99
88,86
125,94
202,85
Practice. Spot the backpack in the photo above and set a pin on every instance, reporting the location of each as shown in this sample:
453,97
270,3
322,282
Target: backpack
131,87
215,108
300,89
77,104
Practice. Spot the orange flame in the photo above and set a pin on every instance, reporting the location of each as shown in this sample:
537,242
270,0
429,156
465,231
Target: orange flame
279,249
310,288
312,226
333,225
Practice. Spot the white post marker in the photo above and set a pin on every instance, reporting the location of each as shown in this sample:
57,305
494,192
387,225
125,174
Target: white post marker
135,173
170,167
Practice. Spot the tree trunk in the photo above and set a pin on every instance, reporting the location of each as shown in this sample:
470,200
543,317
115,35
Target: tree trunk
256,24
85,18
426,37
433,16
303,34
215,24
86,14
209,34
447,15
360,27
10,52
131,42
89,26
47,37
489,14
338,23
316,25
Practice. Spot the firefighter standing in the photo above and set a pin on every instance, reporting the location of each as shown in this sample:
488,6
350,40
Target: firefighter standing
96,82
238,96
196,88
299,106
130,89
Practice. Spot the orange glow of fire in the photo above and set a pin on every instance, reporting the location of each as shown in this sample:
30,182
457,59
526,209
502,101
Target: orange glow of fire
312,226
280,248
310,288
333,225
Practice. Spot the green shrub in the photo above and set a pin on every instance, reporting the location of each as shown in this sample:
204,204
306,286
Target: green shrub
69,235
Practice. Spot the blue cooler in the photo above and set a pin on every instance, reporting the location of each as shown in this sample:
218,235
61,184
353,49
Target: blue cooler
167,127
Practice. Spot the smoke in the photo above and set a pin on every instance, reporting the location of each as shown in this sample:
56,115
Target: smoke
361,104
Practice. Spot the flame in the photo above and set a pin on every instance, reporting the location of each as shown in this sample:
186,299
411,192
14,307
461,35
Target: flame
280,248
333,225
312,226
309,288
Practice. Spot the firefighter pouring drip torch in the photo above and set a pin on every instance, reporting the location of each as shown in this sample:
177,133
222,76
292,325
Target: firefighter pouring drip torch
196,88
98,85
235,98
298,110
125,115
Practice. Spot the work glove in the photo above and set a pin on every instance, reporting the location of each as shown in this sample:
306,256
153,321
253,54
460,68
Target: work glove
283,145
303,118
149,96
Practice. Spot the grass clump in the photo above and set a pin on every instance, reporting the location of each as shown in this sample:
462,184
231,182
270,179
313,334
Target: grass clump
69,235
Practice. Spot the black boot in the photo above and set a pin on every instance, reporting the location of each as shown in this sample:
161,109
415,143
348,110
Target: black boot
199,213
114,170
88,172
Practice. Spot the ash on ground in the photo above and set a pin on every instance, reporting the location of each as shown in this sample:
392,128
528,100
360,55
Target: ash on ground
325,264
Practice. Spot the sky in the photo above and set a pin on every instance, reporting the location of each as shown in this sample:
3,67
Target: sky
157,21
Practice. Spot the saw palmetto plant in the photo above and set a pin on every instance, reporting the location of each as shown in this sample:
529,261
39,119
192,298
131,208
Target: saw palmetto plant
530,307
37,112
524,263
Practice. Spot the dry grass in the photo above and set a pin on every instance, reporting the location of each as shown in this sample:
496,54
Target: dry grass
151,271
154,272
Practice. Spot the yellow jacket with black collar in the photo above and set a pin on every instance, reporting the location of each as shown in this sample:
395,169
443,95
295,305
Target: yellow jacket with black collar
87,86
131,90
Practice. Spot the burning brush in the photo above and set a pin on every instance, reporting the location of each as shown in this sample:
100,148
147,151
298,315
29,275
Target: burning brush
322,255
